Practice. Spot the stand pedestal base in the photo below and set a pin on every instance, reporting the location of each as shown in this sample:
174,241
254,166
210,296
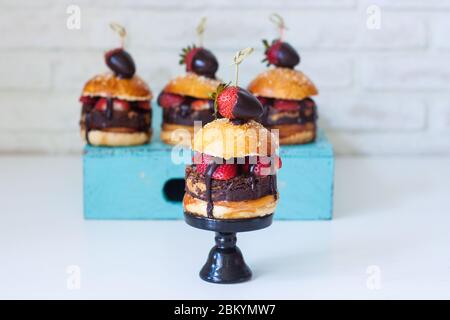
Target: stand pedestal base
225,262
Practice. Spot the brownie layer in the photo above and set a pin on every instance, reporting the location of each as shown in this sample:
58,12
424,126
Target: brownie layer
185,115
306,113
135,119
240,188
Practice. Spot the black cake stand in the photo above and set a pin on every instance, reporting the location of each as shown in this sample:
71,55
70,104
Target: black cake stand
225,262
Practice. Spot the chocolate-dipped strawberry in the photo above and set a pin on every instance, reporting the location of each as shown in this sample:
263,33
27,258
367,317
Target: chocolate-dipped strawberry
285,92
236,103
116,109
200,61
121,63
280,54
119,60
186,100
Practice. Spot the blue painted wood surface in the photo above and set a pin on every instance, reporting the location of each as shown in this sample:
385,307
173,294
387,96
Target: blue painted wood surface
128,182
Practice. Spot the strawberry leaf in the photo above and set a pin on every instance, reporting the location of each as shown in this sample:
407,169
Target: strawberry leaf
215,94
184,53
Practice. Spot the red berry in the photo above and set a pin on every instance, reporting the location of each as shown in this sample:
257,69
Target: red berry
144,105
87,100
121,105
267,165
201,161
225,172
101,104
226,101
222,172
278,162
263,100
189,57
200,105
286,105
118,105
272,53
169,100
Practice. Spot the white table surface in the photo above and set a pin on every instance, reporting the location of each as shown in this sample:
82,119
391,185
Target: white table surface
391,213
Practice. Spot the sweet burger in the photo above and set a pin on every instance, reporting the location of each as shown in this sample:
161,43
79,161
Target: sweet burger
187,98
285,93
116,107
233,175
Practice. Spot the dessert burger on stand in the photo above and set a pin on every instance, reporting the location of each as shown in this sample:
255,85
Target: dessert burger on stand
187,98
285,93
116,108
231,186
233,174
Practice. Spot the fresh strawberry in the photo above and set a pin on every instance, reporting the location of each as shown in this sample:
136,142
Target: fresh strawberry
263,100
121,105
309,103
101,104
226,100
200,105
169,100
118,105
286,105
87,100
144,105
278,162
267,165
201,161
223,171
280,54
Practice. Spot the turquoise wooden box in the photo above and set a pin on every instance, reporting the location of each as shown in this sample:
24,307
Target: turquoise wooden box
143,183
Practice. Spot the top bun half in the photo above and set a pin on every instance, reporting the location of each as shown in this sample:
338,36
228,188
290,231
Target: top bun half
192,85
223,139
108,85
283,83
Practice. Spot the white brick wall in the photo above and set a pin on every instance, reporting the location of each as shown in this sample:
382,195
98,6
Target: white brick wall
382,91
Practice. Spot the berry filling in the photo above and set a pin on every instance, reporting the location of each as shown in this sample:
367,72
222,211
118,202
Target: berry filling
245,178
185,110
111,114
225,170
279,111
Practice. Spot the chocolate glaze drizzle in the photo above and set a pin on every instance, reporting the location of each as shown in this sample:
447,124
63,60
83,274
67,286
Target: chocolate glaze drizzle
109,108
208,183
87,125
211,168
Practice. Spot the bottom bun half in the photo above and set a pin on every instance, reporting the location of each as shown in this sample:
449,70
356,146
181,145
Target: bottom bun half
231,209
116,139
